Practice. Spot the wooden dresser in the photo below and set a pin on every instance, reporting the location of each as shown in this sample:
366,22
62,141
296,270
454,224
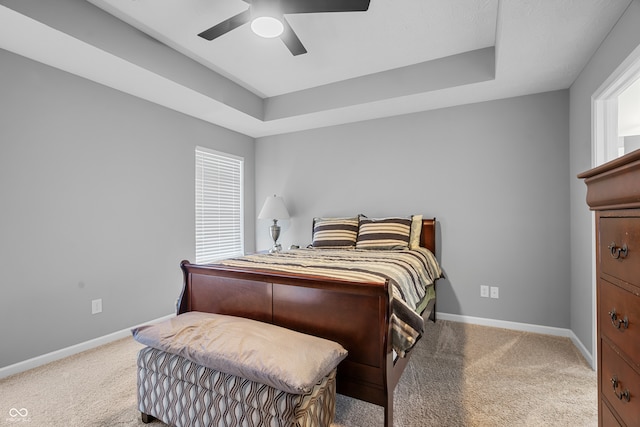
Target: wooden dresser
613,191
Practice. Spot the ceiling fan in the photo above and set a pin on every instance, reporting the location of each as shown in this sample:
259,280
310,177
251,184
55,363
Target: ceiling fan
267,18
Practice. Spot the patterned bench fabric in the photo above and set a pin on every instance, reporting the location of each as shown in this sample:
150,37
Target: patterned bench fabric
182,393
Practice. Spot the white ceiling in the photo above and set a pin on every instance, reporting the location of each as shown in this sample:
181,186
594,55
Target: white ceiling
360,65
340,45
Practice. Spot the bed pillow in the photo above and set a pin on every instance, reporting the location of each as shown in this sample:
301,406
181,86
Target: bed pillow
384,233
335,232
416,232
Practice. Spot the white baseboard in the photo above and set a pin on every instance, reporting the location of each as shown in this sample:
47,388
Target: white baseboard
525,327
87,345
70,351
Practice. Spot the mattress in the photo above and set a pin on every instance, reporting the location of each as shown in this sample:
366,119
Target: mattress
411,275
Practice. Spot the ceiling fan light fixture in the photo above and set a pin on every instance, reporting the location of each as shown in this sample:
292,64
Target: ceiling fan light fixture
267,26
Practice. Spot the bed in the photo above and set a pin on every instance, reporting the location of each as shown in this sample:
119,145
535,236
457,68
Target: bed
362,315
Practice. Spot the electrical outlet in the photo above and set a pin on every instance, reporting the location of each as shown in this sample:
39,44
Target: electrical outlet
484,291
96,306
495,292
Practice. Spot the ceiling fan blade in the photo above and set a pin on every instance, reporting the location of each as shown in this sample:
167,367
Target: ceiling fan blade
227,25
317,6
291,40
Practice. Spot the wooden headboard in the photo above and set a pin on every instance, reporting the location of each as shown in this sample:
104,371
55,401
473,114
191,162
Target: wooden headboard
428,236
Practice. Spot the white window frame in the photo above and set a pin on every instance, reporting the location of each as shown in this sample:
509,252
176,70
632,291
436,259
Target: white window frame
604,109
219,206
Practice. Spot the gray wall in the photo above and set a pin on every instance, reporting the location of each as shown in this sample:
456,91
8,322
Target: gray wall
97,196
493,173
620,42
631,143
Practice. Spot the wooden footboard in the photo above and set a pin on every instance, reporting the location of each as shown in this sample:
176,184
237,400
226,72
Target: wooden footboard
356,315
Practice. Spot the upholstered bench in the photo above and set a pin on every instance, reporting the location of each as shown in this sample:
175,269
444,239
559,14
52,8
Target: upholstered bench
202,369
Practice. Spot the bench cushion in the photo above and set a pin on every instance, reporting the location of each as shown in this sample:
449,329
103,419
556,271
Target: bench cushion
286,360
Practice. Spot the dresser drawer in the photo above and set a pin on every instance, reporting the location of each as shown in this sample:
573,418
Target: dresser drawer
616,372
606,417
619,317
620,248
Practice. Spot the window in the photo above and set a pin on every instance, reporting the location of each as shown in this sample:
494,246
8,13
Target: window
219,219
629,119
616,111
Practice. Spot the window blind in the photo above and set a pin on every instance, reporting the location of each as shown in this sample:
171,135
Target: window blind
219,218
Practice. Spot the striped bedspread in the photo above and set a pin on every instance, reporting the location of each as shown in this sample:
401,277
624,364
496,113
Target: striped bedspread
411,274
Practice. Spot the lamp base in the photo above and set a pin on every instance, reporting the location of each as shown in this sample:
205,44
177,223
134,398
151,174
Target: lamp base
276,248
275,233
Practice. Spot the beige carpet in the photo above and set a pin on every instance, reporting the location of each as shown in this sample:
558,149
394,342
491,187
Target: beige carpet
459,375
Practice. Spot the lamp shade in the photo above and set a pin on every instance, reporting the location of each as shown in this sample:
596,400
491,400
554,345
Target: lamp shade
274,208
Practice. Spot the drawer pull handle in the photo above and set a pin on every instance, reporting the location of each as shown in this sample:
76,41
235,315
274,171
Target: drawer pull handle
618,252
618,323
625,395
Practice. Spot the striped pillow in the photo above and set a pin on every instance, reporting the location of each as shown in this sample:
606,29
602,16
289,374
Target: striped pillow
384,233
335,232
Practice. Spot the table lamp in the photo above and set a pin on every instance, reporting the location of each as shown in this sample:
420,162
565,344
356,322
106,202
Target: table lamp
275,209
